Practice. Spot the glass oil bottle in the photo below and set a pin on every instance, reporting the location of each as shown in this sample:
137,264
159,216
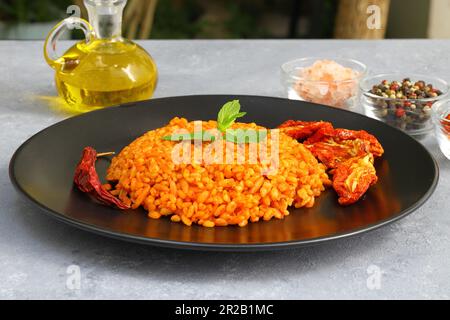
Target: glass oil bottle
104,69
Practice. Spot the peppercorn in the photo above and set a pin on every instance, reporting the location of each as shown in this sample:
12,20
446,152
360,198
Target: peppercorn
420,84
400,112
401,105
427,109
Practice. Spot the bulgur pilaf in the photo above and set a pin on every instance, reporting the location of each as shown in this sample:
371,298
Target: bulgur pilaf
143,174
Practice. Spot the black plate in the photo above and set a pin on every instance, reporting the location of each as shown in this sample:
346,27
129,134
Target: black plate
42,169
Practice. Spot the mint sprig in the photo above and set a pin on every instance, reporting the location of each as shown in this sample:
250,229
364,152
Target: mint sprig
227,115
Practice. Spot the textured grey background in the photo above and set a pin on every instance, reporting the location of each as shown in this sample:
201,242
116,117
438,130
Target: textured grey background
35,251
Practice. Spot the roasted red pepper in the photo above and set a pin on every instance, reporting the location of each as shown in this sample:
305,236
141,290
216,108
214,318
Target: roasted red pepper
87,180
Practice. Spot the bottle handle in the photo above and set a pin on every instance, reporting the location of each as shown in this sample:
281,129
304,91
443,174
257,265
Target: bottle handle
70,23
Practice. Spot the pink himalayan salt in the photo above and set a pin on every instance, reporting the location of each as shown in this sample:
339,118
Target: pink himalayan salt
320,83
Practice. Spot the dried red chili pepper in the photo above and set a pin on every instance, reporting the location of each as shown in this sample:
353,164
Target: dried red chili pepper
87,180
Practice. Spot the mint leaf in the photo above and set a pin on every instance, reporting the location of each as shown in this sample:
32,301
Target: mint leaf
228,110
228,114
203,136
179,137
245,136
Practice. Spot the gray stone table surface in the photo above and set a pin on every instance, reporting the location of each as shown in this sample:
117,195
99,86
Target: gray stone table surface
413,255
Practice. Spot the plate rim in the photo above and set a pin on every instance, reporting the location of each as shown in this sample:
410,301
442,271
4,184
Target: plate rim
207,246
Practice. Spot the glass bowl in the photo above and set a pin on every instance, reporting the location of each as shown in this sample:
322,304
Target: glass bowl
441,119
410,115
336,93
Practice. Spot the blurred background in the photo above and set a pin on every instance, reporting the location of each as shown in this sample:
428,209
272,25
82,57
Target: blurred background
210,19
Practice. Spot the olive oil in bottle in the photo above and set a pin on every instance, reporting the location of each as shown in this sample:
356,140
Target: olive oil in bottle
106,69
